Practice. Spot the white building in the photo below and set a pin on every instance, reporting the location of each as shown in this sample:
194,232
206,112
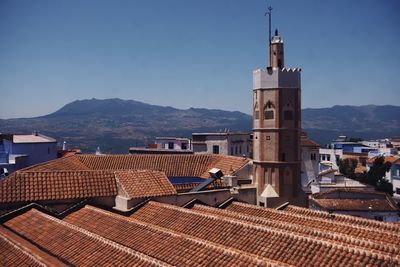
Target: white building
175,143
329,157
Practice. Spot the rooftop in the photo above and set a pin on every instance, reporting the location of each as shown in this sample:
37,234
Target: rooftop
160,234
32,138
171,165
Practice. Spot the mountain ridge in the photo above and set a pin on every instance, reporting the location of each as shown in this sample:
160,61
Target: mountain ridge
115,124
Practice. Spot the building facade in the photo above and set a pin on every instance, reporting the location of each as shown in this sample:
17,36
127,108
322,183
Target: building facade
18,151
276,131
232,144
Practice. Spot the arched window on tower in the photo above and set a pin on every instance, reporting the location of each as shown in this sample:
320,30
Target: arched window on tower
269,110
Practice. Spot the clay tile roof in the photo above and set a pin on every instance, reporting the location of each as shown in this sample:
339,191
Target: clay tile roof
16,251
306,142
300,230
169,246
56,185
366,223
171,165
276,244
73,245
144,183
362,231
354,199
355,204
67,163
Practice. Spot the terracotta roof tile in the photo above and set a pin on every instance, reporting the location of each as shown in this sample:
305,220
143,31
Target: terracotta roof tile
74,245
306,142
56,185
172,165
305,231
145,183
355,204
169,246
260,241
339,227
366,223
67,163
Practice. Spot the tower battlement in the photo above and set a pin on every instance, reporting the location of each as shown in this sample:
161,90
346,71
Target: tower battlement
270,78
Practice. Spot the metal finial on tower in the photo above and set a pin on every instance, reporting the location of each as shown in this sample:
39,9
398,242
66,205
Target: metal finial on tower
269,13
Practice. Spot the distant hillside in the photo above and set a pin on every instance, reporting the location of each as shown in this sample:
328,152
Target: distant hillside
367,122
115,124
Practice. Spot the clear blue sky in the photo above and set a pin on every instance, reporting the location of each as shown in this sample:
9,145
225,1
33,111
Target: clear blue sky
193,53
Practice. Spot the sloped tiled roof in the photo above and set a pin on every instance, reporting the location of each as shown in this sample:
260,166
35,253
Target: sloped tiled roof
56,185
16,251
67,163
171,165
302,230
270,244
245,235
349,199
306,142
365,223
355,204
361,232
73,245
169,246
145,183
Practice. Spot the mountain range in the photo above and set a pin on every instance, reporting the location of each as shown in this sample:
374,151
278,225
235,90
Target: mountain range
115,124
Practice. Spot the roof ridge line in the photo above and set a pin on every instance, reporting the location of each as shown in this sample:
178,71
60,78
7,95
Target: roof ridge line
23,250
238,222
185,236
335,238
103,240
315,218
344,216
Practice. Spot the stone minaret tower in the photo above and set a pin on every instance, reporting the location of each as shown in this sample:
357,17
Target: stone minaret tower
276,131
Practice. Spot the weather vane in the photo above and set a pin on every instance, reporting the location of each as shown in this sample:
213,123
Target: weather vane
269,13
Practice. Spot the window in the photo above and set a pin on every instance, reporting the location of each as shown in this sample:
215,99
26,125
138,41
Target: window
184,146
269,115
215,149
257,114
48,150
231,150
236,150
283,157
378,218
268,137
261,204
313,156
328,157
398,190
240,149
170,145
288,115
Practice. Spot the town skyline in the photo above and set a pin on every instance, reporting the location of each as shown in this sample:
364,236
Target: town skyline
192,54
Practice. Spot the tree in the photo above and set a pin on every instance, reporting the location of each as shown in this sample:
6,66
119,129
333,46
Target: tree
376,175
347,167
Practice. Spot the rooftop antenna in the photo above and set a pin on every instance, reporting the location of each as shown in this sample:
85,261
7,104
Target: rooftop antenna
269,13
